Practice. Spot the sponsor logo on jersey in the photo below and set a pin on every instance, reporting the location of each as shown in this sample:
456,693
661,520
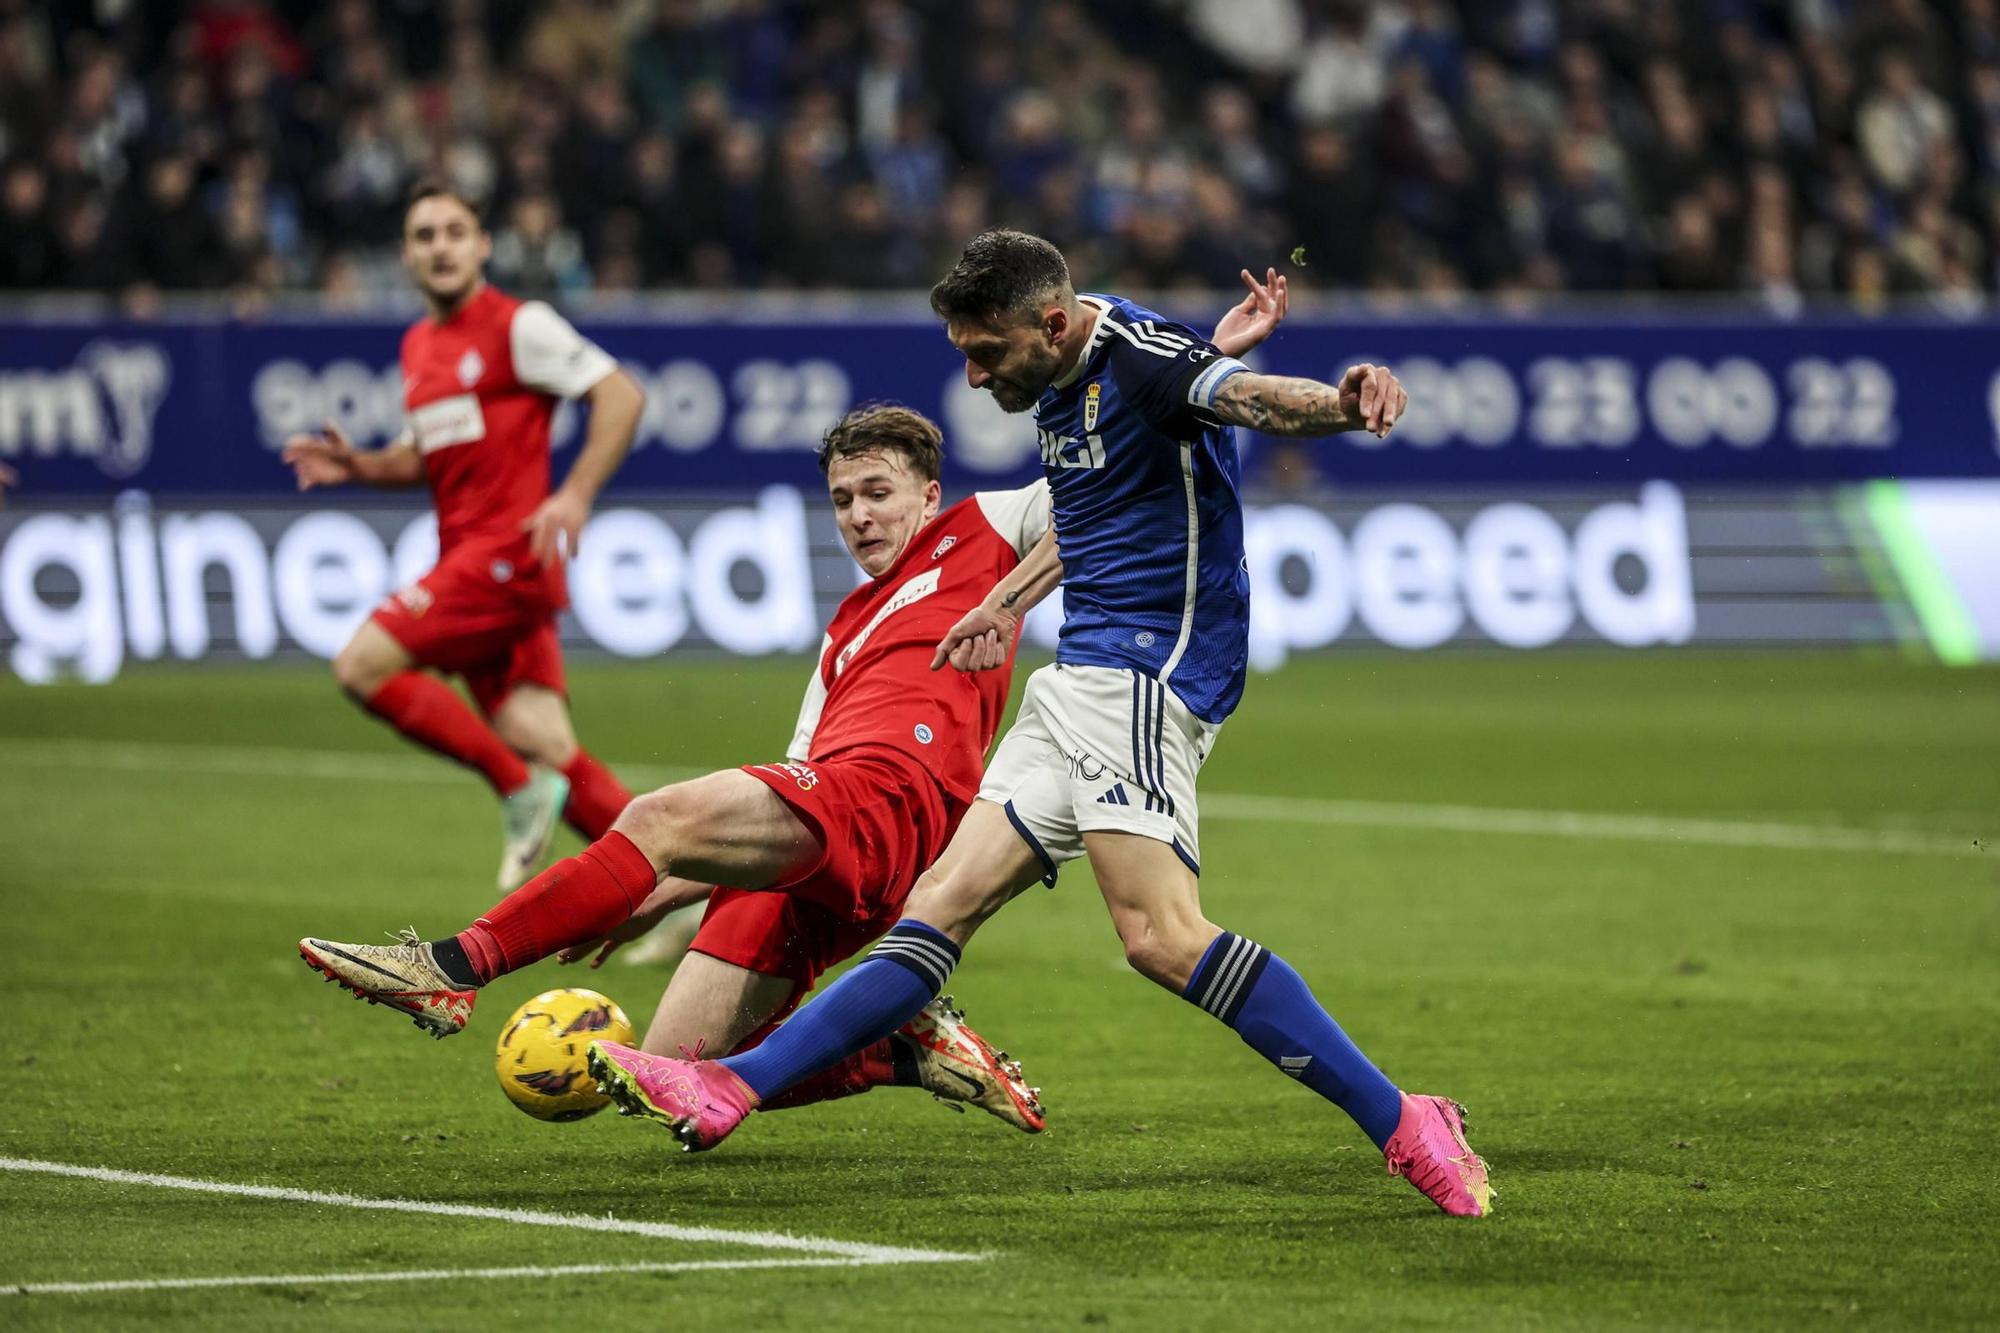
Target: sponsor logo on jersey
416,598
448,421
1144,638
923,733
470,367
1066,451
944,546
1091,398
502,571
918,588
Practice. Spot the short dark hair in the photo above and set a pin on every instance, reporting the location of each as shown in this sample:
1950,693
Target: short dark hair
886,428
437,187
1002,272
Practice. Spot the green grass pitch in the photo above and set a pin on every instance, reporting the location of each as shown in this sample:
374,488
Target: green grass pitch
1723,1081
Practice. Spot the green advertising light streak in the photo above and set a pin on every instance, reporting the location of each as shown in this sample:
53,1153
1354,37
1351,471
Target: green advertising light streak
1930,589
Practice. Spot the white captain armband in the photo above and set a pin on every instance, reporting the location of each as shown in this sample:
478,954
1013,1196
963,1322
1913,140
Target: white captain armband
1201,389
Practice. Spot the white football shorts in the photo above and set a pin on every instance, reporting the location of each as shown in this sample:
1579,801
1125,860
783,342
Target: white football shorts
1100,748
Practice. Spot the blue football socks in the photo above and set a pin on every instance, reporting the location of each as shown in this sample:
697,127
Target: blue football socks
1257,993
903,972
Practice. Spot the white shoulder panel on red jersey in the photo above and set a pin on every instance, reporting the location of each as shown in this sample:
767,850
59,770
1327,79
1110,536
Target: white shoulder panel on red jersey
550,355
1020,517
800,750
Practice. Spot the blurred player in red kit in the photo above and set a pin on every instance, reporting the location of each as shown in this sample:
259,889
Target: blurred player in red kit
482,376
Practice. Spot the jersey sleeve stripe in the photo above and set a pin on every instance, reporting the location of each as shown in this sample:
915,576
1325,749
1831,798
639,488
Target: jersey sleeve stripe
1201,393
1144,344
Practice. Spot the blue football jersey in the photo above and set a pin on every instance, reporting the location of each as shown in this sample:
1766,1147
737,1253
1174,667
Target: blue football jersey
1144,486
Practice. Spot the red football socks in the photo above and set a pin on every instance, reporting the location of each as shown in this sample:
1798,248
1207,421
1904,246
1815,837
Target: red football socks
430,713
574,901
596,798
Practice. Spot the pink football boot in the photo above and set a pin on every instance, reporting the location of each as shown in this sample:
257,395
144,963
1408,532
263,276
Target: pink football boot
1429,1148
699,1100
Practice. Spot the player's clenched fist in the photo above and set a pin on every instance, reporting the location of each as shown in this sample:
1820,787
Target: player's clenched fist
1373,395
980,641
321,460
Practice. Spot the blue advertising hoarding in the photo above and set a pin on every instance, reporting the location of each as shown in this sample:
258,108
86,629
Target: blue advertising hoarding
198,406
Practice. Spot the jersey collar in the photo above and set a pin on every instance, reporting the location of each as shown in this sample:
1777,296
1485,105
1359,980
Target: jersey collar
1098,333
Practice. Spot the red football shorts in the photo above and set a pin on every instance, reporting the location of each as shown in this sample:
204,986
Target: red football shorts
477,616
881,819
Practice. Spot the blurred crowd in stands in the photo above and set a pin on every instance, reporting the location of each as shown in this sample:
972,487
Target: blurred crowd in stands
1780,150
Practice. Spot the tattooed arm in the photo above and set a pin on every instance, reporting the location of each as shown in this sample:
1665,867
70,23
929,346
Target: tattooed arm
1368,398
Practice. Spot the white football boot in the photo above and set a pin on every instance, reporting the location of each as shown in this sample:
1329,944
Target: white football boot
959,1069
529,818
404,977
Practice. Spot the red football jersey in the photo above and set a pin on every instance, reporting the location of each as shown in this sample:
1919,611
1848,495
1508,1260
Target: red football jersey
481,388
875,685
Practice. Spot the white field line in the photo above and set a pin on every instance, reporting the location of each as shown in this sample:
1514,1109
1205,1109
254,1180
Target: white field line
260,761
414,1275
257,761
1584,824
823,1252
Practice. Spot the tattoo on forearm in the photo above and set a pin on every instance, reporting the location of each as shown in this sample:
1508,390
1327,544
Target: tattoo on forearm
1012,597
1281,405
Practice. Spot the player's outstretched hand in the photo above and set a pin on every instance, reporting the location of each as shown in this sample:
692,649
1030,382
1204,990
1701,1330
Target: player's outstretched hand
555,526
979,642
320,460
1373,395
1256,317
8,477
628,930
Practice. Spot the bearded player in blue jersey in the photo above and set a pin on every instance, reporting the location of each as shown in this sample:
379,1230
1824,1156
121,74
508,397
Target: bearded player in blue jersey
1136,418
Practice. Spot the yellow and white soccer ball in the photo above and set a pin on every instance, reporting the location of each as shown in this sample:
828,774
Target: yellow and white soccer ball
540,1056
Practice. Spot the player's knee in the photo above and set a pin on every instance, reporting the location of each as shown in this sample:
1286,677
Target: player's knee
356,673
659,819
1160,952
535,738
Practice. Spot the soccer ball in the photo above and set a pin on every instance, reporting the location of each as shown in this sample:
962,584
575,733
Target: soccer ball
540,1056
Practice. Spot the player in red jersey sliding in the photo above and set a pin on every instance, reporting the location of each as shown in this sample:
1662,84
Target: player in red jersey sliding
482,375
821,849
